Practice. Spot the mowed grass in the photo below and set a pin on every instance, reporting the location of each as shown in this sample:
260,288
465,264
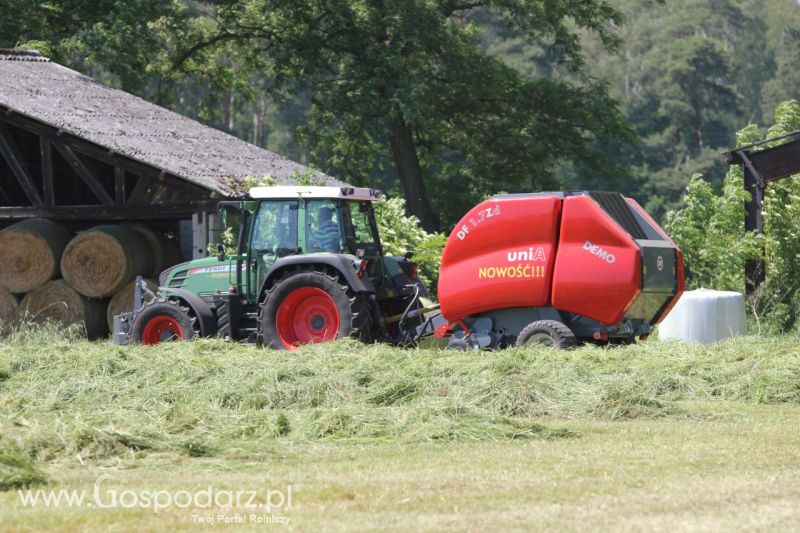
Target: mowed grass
650,436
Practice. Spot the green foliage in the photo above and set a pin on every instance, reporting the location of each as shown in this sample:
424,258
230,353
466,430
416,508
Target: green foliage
113,40
780,297
403,90
783,35
401,233
710,232
688,74
243,185
470,96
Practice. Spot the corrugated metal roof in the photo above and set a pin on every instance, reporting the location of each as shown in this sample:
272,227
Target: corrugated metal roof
36,87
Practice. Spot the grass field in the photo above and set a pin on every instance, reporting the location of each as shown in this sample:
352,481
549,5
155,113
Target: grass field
658,436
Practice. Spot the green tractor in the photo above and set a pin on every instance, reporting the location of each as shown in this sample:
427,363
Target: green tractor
307,267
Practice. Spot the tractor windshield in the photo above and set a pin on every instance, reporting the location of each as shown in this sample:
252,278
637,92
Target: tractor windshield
275,228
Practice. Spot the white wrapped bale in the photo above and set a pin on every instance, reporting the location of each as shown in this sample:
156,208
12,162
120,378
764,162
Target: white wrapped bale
705,316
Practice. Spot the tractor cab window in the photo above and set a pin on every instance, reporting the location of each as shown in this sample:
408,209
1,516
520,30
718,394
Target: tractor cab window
359,229
275,228
230,223
323,227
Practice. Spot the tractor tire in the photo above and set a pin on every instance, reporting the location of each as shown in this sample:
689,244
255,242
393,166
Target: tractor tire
310,306
163,320
547,333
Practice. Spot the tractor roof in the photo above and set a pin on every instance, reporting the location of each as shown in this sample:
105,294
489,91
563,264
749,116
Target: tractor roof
312,191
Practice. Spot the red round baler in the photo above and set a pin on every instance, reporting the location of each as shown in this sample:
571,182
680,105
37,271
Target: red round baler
556,268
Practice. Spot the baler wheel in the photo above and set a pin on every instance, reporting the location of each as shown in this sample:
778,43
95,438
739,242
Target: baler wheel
547,333
163,321
309,306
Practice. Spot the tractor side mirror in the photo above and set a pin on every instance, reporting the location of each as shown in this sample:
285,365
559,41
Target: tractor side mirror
220,252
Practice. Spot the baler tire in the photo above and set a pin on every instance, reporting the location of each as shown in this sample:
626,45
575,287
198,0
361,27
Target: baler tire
559,335
332,294
159,317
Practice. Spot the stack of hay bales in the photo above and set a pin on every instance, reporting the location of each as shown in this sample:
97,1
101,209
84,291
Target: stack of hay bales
57,301
9,309
30,256
98,267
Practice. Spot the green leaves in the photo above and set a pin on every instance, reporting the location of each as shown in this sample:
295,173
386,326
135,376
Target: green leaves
401,233
381,71
710,232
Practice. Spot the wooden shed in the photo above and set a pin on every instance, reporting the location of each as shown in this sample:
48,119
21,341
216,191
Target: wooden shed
81,153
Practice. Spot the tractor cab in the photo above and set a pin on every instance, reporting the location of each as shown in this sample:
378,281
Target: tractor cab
294,264
274,223
290,221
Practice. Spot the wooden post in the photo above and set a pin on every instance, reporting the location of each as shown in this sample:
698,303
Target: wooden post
119,185
753,222
46,153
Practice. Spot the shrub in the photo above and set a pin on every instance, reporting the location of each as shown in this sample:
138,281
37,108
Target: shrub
710,232
401,233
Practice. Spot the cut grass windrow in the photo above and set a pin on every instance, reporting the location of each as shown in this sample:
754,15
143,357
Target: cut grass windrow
68,400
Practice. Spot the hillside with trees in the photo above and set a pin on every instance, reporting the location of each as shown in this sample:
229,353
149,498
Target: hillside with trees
427,98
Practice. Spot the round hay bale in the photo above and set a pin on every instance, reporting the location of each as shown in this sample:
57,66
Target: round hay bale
122,301
9,309
165,251
100,261
57,301
30,253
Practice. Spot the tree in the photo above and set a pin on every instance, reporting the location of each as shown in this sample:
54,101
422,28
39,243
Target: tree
112,40
403,89
681,93
784,38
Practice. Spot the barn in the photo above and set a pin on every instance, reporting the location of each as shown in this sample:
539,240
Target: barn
80,154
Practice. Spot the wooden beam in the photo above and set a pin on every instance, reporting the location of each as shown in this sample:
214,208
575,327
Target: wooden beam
46,156
119,185
4,194
139,191
100,212
77,143
12,156
86,174
777,162
147,173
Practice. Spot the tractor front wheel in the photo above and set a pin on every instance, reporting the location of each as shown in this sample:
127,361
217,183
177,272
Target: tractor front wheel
162,321
307,306
547,333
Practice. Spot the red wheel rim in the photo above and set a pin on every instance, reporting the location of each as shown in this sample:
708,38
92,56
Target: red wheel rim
307,315
160,329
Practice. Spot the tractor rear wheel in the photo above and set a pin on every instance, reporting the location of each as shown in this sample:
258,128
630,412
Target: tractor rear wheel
163,321
547,333
309,306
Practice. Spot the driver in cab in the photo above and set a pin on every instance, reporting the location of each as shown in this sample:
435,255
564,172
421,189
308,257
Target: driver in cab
325,236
